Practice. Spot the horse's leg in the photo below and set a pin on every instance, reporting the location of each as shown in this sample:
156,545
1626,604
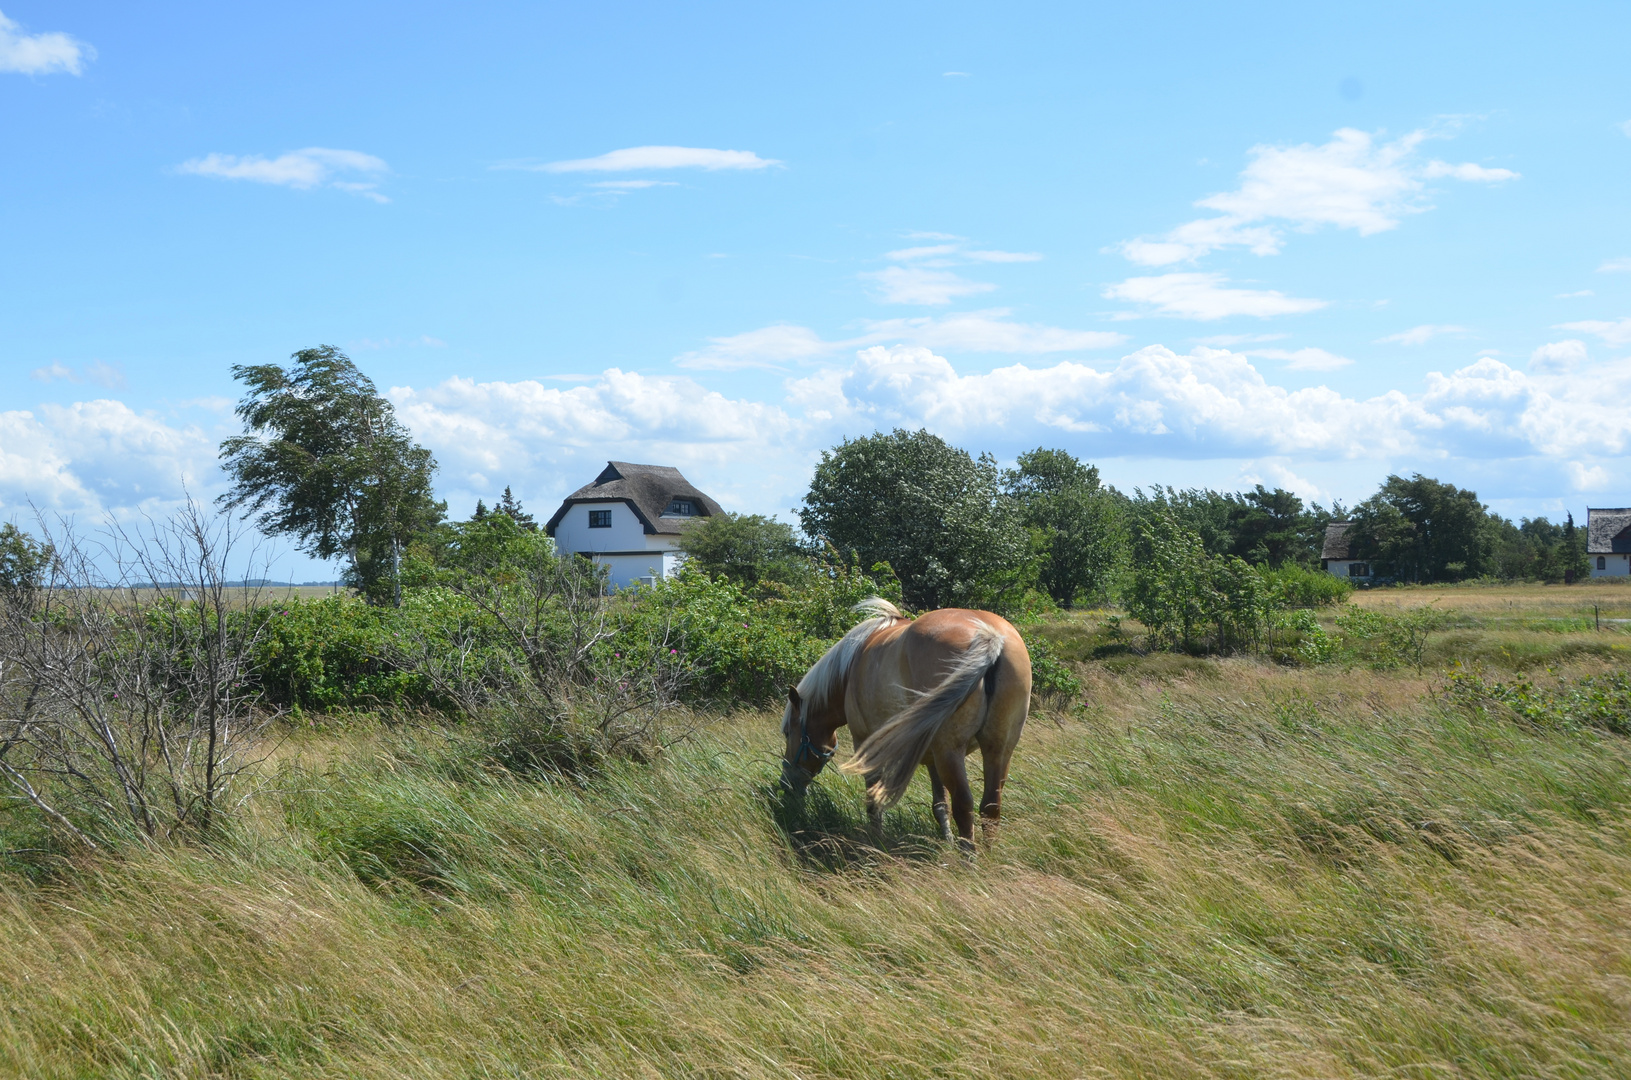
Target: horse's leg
996,751
952,766
996,775
874,813
942,810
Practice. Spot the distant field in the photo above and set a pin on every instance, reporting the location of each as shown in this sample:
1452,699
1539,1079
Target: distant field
1208,868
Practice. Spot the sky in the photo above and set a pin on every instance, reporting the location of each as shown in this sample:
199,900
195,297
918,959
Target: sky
1298,245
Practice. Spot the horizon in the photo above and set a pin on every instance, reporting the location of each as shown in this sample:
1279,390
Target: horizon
1193,247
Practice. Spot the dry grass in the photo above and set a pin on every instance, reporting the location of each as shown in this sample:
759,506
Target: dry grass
1230,870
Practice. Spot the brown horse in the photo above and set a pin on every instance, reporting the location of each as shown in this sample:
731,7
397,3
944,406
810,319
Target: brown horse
915,691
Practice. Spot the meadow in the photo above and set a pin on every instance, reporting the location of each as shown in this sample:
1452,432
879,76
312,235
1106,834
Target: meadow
1207,868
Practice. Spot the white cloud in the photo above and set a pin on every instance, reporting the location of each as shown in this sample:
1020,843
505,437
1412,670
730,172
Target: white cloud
1351,182
916,285
1420,335
954,74
315,166
111,376
632,185
1004,256
1467,171
40,54
1226,340
978,331
1626,127
1559,356
1205,296
1617,332
1572,295
1616,266
768,347
1309,359
95,456
663,157
988,331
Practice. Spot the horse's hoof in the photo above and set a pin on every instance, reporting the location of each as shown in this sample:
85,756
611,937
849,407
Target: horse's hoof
966,849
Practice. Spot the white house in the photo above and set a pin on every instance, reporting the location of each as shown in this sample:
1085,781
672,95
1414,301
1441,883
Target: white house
1336,557
630,520
1608,541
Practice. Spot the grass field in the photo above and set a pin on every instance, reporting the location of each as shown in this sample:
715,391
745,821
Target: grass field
1208,868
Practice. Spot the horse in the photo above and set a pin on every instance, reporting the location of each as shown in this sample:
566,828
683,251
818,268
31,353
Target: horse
915,691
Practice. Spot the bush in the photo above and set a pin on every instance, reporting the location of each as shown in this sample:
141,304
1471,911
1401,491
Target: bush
1050,676
1386,641
1294,586
1595,701
1189,599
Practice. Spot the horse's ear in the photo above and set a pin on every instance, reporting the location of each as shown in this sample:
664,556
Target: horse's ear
793,696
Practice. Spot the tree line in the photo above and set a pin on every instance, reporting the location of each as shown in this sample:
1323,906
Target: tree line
324,460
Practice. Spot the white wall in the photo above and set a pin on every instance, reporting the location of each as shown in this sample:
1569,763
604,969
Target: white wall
1340,567
574,534
1618,565
657,555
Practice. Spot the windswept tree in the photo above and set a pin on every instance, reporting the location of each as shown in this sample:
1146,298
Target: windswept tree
1424,530
1078,529
936,515
323,459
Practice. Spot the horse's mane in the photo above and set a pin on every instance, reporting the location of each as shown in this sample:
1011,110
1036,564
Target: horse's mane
826,676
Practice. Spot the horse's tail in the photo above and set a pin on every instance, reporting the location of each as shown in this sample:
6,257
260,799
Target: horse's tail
893,752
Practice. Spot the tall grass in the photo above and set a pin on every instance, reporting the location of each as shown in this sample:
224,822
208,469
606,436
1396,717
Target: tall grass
1256,872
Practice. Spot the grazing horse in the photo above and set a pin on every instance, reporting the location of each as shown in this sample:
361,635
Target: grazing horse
915,691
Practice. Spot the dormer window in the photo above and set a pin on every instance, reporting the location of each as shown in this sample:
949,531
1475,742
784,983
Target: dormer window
680,508
600,519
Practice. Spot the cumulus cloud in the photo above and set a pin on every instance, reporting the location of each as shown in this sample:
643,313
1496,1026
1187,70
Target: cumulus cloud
40,54
637,158
1420,335
1617,332
96,456
1309,359
1559,356
315,166
976,331
1351,182
919,285
989,331
767,347
111,376
1206,296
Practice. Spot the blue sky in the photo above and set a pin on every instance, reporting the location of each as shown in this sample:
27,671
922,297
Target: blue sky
1195,245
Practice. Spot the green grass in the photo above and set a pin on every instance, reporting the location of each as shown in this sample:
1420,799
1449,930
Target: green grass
1212,869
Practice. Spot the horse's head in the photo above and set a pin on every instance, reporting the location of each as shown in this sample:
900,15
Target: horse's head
810,738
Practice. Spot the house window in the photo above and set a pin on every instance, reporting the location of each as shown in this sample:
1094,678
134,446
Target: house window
1358,569
600,519
680,508
1602,563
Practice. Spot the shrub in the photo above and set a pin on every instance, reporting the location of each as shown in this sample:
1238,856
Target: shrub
1385,640
1595,701
1050,676
1294,586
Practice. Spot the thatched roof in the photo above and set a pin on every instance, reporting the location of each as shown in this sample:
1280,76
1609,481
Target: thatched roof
1337,545
1608,530
648,489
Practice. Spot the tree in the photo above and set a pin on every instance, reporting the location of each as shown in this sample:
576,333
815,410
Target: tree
929,510
1077,527
324,459
23,561
1423,530
510,507
746,548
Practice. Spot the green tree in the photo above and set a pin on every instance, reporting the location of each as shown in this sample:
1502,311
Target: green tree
24,561
323,459
935,514
1424,530
1077,527
510,507
745,548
